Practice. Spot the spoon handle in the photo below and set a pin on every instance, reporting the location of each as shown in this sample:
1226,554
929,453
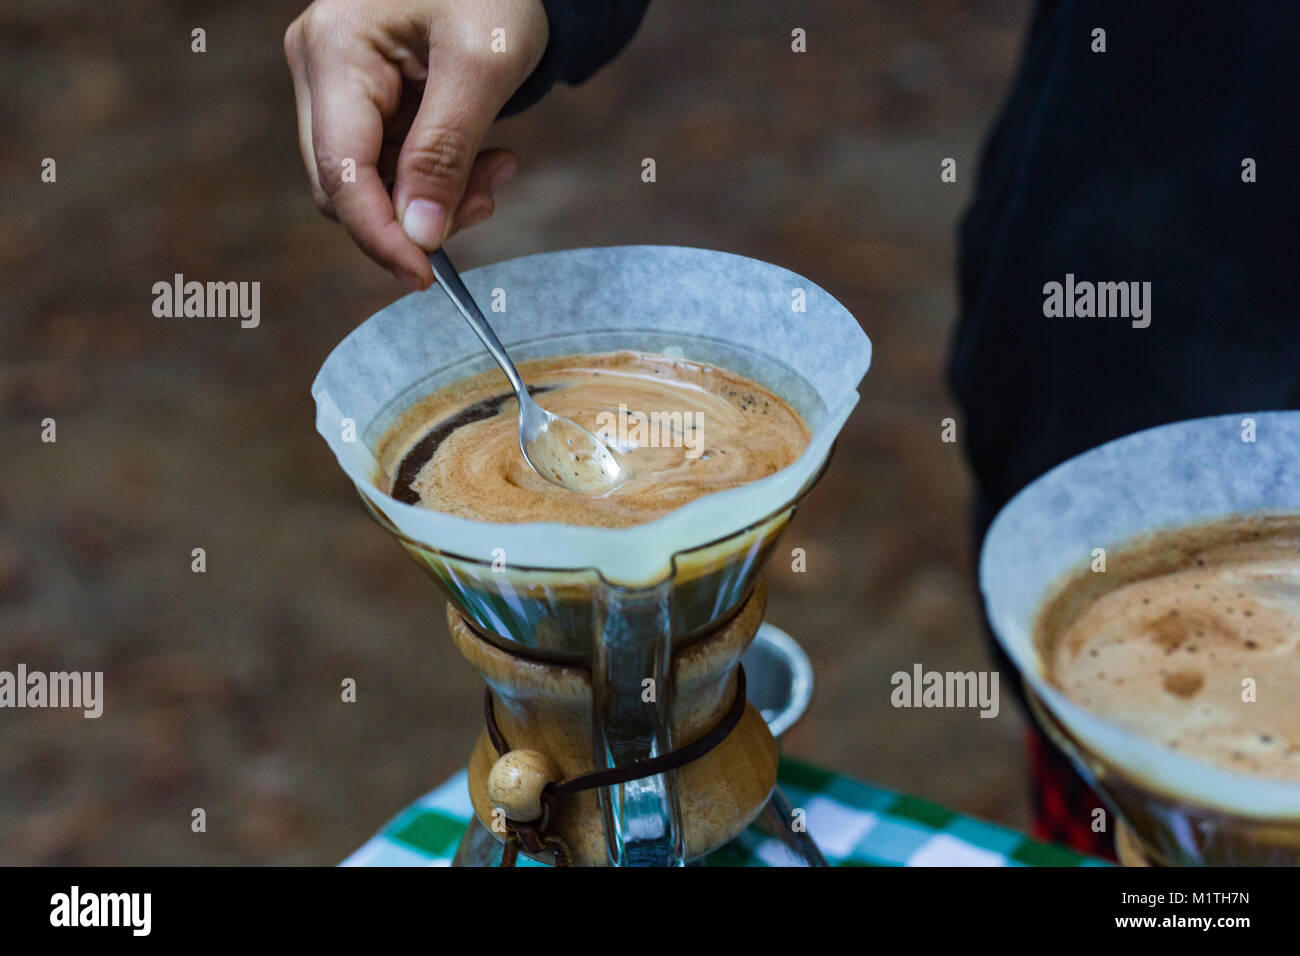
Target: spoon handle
449,279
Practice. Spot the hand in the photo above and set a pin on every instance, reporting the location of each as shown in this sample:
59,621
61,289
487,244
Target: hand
406,90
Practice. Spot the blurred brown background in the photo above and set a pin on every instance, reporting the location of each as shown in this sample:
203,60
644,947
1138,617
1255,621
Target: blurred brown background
222,689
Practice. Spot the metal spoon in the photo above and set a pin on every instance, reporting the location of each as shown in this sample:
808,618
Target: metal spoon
558,449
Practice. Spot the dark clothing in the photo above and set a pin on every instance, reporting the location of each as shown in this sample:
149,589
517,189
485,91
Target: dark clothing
584,36
1116,167
1127,166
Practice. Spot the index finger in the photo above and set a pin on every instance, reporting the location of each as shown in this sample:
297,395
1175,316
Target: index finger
347,125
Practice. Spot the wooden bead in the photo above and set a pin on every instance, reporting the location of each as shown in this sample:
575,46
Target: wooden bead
516,781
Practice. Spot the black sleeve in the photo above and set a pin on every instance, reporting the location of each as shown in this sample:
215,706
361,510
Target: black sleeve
585,35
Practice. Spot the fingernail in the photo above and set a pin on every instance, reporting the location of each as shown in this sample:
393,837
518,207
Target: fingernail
503,174
424,221
409,279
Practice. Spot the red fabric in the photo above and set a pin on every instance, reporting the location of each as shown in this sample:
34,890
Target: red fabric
1063,802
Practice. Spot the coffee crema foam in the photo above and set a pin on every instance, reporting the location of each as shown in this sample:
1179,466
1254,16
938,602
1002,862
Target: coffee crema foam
1162,641
681,429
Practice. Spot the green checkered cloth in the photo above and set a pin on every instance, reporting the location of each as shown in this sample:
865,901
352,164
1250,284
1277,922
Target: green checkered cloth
854,824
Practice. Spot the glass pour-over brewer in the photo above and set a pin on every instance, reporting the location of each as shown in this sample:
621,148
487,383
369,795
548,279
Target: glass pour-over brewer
616,727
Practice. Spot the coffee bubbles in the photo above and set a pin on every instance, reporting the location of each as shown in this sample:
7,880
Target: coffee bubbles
1191,639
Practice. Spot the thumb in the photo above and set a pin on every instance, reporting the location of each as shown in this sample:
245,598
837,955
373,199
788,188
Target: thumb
435,161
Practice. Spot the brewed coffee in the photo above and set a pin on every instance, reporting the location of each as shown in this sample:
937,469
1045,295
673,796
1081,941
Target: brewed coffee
1191,638
682,429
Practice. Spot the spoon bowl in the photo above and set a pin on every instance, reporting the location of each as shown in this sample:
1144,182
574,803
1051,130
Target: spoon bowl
565,453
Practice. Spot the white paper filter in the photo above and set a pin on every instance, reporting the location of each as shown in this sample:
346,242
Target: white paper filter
724,309
1165,477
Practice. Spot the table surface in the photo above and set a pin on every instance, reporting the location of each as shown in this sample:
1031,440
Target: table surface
854,824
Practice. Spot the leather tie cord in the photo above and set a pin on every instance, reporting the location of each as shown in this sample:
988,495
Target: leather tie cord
531,835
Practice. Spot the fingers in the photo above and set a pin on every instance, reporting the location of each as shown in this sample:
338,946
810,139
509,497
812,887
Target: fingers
293,52
492,167
433,168
347,130
366,70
